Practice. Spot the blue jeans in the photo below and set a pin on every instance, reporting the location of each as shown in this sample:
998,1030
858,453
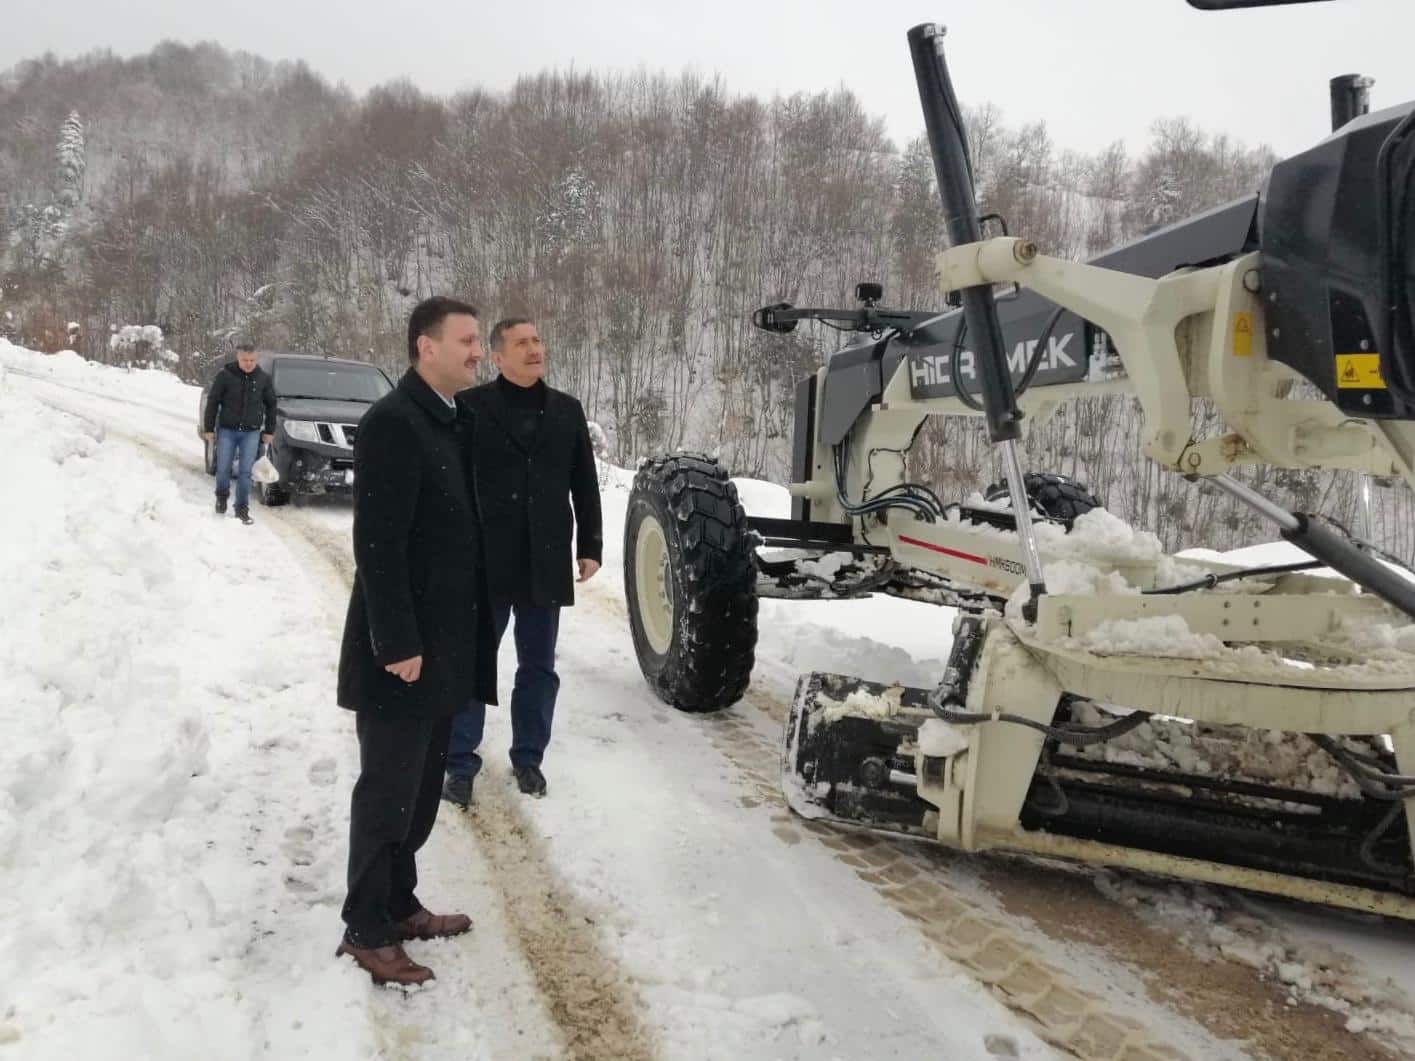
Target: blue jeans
230,443
532,700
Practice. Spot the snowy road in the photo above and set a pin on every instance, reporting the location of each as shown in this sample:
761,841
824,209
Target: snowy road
662,901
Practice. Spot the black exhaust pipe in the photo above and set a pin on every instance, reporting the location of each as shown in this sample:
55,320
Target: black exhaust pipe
1350,98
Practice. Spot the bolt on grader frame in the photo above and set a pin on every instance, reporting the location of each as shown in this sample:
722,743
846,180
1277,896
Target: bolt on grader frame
1102,702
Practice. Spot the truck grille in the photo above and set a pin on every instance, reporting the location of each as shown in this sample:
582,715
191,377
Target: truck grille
341,435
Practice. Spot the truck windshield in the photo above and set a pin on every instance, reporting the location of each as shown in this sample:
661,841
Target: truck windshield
330,381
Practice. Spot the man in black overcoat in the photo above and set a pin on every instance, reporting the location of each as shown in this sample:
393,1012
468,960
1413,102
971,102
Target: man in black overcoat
418,640
533,461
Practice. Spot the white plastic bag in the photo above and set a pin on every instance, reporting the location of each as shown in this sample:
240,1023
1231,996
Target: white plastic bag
263,470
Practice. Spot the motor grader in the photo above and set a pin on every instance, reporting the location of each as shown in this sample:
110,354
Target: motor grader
1251,726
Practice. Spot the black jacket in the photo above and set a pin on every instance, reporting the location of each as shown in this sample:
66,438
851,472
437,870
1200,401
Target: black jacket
241,401
419,583
525,487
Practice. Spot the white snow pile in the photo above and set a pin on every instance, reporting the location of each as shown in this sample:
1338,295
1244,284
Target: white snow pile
939,739
162,891
861,703
867,647
1234,753
1097,537
1082,580
1380,640
1154,635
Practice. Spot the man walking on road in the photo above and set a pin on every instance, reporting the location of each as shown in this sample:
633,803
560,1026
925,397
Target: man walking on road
418,640
239,414
533,456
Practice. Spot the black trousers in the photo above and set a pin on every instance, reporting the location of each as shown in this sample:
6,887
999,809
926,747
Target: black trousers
394,806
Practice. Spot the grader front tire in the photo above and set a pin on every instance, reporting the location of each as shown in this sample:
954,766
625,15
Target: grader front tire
690,583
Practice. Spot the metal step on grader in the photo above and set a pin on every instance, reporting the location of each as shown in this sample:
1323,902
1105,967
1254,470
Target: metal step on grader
1103,702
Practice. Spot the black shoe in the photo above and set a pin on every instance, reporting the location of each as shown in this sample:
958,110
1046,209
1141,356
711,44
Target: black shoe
530,780
220,505
457,790
244,515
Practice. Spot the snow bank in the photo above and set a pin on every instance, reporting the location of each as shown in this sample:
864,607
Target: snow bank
154,388
64,365
162,892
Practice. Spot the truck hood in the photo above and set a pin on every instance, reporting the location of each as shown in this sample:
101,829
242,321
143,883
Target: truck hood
332,412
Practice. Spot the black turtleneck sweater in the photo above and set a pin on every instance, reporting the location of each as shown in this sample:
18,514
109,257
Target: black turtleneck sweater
527,405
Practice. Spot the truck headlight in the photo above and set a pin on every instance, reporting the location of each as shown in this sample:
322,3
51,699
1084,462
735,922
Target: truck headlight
302,430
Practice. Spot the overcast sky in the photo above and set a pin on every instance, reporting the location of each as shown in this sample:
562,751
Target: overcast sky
1094,70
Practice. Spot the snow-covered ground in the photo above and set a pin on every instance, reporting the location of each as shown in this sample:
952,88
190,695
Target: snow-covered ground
174,779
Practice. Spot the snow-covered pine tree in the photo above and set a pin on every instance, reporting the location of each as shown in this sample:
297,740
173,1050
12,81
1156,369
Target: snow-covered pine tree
141,346
72,163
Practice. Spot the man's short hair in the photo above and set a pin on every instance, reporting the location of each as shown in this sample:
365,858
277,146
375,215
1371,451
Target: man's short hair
503,326
245,346
427,318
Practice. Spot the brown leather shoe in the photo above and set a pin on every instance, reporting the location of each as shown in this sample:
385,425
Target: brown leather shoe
425,925
387,965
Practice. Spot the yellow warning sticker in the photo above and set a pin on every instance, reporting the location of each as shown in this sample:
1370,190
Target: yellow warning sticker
1242,335
1359,372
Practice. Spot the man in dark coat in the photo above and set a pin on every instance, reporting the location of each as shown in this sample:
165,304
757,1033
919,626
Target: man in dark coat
533,458
239,403
418,639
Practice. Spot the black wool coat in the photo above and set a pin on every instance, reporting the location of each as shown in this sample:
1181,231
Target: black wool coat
526,494
240,401
420,578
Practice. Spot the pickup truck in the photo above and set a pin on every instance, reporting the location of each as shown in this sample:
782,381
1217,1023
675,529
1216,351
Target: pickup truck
319,403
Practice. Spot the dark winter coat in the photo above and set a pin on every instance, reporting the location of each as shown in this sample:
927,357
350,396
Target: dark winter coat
419,580
527,476
241,401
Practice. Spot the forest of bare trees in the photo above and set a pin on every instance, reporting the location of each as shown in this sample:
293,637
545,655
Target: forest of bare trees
640,218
